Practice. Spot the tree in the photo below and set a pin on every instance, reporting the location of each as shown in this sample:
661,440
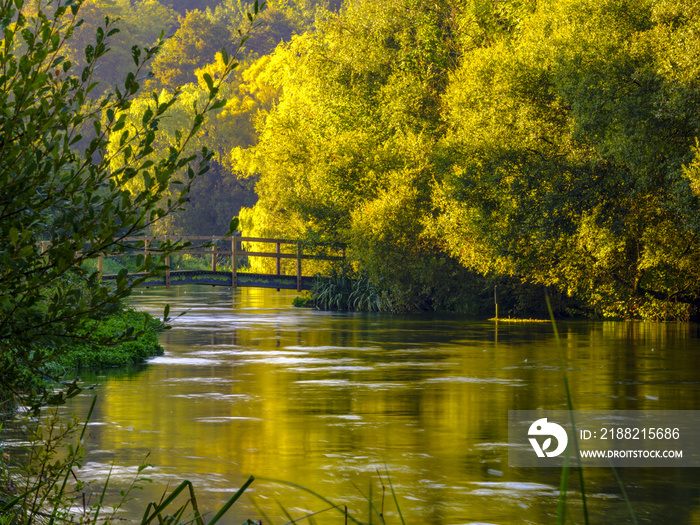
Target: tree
219,194
73,201
344,155
139,24
192,46
569,152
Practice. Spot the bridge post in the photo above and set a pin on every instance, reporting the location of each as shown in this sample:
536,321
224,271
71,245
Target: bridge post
279,260
100,260
298,266
213,255
234,262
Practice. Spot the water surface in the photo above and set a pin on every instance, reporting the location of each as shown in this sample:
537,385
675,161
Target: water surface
250,385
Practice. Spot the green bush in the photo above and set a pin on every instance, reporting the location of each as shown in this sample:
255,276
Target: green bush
90,355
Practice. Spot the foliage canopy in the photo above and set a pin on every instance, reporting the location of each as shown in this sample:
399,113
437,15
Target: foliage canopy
62,201
548,142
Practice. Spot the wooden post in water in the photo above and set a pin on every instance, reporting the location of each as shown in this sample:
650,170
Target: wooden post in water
279,260
234,261
298,266
495,299
213,256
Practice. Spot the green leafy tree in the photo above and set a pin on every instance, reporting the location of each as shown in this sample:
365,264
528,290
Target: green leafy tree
219,194
570,150
61,207
193,46
139,24
344,155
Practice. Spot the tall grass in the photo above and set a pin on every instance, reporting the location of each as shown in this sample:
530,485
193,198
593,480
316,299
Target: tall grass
562,513
43,487
375,513
346,290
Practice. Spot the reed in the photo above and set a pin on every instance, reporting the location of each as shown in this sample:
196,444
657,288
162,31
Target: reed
375,513
43,488
561,507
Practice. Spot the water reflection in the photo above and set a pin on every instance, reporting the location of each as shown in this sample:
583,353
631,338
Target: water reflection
249,385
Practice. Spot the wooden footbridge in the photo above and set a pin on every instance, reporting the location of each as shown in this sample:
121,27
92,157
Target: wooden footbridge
212,247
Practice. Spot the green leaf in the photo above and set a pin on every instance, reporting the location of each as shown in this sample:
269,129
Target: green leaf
210,83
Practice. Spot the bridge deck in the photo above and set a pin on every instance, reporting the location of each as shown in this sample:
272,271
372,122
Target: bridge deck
216,278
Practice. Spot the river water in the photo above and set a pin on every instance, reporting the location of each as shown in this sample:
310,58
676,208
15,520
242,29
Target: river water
343,403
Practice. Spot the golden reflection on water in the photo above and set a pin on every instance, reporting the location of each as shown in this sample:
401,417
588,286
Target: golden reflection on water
249,385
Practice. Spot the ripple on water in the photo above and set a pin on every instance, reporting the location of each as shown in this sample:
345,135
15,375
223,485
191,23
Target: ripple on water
512,489
329,347
269,353
210,380
225,419
328,382
291,361
216,353
188,361
477,380
212,395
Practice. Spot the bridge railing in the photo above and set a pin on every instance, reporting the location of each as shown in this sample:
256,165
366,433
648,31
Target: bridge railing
210,246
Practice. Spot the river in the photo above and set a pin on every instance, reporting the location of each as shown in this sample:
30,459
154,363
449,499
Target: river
341,403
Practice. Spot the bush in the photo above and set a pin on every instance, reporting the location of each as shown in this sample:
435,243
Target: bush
92,355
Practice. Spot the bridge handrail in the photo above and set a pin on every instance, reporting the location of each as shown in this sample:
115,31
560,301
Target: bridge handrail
234,252
215,238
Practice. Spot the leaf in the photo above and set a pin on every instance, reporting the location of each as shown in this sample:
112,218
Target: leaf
210,83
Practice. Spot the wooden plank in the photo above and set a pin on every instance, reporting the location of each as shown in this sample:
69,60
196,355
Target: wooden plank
225,239
206,277
249,254
294,256
268,241
271,254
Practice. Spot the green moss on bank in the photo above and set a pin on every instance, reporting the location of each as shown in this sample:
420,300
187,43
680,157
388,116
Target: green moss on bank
82,356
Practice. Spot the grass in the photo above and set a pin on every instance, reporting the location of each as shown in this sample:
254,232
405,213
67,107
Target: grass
45,488
562,512
375,509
